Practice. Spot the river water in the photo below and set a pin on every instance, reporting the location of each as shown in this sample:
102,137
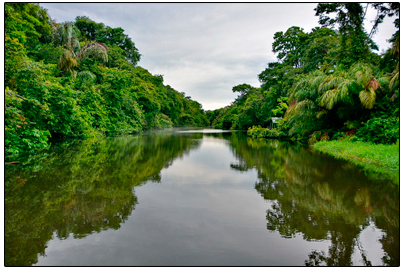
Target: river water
196,198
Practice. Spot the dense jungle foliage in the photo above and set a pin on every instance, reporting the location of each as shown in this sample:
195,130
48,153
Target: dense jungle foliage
327,83
80,79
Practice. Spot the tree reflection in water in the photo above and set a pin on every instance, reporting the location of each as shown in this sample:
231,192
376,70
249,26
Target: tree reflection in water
322,199
81,188
87,187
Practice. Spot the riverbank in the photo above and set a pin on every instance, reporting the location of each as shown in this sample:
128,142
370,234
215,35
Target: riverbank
373,158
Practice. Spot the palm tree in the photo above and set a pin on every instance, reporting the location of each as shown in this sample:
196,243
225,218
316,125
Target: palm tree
318,94
340,87
335,89
93,49
303,110
303,96
367,83
66,35
67,62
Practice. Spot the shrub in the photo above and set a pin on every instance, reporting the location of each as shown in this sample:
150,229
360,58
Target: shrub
338,135
259,132
318,136
24,139
379,130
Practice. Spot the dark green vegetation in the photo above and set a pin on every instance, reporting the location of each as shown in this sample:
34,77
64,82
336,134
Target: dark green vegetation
327,83
85,189
382,159
80,79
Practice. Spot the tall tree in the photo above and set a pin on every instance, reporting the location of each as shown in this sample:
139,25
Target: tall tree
243,90
320,50
290,46
349,17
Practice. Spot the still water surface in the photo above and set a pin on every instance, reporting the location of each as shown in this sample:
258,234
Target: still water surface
196,198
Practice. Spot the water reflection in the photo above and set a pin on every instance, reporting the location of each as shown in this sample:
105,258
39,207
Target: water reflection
80,189
322,199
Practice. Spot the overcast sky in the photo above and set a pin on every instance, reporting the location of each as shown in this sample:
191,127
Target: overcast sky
204,49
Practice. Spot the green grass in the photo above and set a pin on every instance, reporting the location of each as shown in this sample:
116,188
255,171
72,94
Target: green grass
373,158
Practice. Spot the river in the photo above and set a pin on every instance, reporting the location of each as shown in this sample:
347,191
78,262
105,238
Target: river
196,198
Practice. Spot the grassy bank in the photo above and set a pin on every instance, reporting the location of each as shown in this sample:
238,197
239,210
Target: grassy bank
373,158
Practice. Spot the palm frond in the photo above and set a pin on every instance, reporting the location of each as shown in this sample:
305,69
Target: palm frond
299,108
58,34
384,82
372,83
362,73
329,99
67,62
343,92
94,49
86,76
307,87
68,32
321,113
318,79
396,46
329,83
367,98
66,35
394,80
336,88
74,44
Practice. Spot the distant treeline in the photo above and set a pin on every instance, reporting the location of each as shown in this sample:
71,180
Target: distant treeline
80,79
326,84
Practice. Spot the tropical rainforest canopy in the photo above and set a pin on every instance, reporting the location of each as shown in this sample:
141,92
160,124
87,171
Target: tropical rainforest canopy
327,83
80,79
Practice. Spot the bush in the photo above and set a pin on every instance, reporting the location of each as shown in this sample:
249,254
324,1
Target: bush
318,136
24,139
338,135
162,121
259,132
379,130
20,133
